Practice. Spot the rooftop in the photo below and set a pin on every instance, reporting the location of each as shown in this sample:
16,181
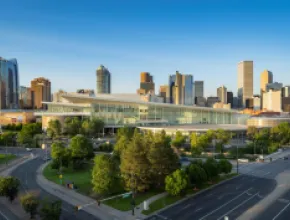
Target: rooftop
131,98
199,127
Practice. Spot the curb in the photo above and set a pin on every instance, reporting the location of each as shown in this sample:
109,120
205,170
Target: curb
191,196
14,164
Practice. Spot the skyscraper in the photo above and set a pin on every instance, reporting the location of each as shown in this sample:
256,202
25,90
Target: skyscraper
265,78
41,88
181,89
230,98
164,92
199,88
245,82
222,94
286,91
26,97
9,84
146,84
103,80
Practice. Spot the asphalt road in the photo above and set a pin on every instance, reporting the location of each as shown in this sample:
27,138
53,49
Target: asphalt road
27,176
229,199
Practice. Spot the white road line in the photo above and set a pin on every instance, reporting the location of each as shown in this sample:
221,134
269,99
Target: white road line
4,216
225,204
281,211
197,210
209,195
239,186
185,207
283,200
237,206
266,173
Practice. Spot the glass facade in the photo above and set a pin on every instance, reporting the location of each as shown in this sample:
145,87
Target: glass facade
103,80
9,84
188,90
125,113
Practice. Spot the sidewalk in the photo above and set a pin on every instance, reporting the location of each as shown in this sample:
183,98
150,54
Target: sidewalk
103,211
138,212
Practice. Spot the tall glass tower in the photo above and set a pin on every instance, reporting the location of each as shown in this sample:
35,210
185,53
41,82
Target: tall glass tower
9,84
103,80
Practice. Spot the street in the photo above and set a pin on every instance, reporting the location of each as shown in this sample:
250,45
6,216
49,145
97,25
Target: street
27,176
236,196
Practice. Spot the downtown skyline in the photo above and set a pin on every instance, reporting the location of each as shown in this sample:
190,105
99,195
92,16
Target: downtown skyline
206,42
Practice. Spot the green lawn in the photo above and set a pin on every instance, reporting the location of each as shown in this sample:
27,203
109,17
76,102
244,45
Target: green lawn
81,178
124,204
168,200
6,157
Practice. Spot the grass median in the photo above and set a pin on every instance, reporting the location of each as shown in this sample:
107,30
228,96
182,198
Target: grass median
6,158
168,199
81,178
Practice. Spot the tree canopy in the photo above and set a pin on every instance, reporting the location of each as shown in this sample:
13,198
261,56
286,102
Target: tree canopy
176,183
29,203
9,187
105,176
54,129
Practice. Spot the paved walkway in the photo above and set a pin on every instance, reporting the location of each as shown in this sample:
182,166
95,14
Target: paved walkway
138,211
103,211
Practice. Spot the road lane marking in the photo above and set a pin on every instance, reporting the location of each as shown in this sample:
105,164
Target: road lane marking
4,216
209,195
185,207
266,174
281,211
238,206
283,200
225,204
197,210
239,186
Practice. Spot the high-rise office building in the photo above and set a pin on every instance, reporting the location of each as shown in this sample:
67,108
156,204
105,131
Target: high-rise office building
272,100
222,94
181,89
26,97
211,101
146,84
286,91
245,82
103,80
164,92
199,88
9,84
41,88
265,78
230,98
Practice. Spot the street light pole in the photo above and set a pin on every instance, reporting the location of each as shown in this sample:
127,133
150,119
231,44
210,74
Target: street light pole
238,156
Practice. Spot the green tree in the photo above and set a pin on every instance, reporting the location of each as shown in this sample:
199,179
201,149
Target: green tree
30,204
196,174
135,165
222,138
96,125
54,128
7,138
176,183
281,133
126,132
72,126
106,175
262,139
81,149
60,154
199,143
163,160
50,210
9,187
179,139
86,127
251,132
25,136
211,168
225,166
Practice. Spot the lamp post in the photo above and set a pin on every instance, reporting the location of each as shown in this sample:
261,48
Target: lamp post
238,156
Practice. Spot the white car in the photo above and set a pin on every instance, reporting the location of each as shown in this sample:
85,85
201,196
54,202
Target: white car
28,149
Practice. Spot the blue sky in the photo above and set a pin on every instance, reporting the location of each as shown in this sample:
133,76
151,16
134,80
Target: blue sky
66,41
